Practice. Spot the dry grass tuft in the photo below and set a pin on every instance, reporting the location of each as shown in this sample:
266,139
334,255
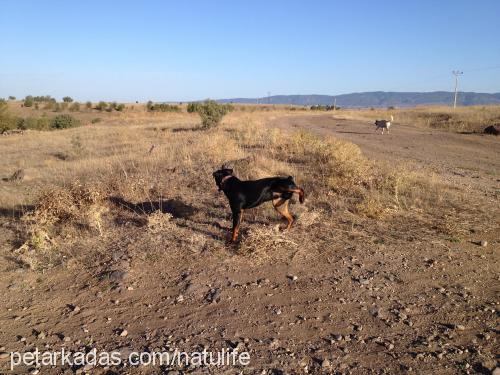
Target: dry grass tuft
160,221
264,242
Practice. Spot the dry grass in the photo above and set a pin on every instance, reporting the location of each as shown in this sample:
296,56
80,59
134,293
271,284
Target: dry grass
146,158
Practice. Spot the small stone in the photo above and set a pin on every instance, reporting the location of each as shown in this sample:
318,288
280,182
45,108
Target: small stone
41,335
326,364
484,243
130,288
67,339
4,355
496,371
179,298
460,327
440,355
123,333
35,372
292,277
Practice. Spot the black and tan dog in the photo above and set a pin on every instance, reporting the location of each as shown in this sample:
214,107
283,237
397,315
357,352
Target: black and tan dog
243,195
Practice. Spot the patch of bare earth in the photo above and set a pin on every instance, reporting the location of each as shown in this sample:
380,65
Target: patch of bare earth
383,271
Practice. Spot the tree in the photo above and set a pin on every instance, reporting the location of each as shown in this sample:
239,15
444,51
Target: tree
12,97
67,99
28,101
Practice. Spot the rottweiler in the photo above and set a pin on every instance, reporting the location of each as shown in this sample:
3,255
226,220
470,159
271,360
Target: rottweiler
243,195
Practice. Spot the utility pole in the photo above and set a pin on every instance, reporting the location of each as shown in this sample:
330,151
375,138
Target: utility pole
269,97
456,73
334,104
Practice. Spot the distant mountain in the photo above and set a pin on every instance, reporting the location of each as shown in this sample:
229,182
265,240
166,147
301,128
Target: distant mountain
376,99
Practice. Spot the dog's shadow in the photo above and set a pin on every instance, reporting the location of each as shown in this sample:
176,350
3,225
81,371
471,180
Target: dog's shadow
177,208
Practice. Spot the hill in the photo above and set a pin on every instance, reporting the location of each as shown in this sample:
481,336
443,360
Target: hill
376,99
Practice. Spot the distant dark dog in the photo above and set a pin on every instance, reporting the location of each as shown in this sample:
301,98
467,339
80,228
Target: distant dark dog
243,195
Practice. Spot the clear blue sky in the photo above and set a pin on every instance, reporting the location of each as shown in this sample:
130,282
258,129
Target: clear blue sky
186,50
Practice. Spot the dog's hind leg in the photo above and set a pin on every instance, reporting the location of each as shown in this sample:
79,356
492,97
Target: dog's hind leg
237,216
280,202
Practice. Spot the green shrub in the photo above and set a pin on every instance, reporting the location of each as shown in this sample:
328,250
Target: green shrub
88,105
149,105
193,107
44,123
7,121
163,107
120,107
67,99
28,101
75,107
27,123
101,106
211,113
95,120
64,122
44,98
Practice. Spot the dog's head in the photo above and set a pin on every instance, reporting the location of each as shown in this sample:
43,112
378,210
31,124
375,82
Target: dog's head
221,175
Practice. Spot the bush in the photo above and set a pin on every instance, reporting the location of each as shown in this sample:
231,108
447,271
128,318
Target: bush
67,99
320,107
64,122
7,122
44,123
163,107
95,120
88,105
211,113
46,98
28,101
12,97
120,107
193,107
101,106
75,107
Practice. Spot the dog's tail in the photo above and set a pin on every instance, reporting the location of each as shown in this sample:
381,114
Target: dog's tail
296,189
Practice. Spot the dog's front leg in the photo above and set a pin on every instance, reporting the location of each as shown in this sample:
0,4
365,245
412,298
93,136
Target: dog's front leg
237,215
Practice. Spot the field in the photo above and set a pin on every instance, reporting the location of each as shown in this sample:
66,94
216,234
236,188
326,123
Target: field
391,267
